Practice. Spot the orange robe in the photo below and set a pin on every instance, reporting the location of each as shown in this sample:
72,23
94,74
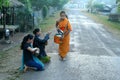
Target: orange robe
65,45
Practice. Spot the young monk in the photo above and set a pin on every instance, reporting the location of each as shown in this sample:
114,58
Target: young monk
28,53
64,25
41,44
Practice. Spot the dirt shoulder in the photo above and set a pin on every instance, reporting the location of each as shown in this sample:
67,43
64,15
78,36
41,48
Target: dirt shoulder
10,55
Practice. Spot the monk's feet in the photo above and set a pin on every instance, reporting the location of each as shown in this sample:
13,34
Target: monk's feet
62,58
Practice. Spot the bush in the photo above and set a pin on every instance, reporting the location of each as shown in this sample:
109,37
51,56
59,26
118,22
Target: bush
44,11
24,19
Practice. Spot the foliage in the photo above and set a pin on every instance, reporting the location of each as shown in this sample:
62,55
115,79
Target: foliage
29,6
24,18
90,3
4,3
93,5
48,23
118,2
62,3
98,6
44,11
38,4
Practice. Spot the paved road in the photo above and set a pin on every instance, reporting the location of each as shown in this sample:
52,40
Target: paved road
94,54
91,38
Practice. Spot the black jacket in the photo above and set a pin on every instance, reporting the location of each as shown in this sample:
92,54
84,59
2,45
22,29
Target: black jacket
40,43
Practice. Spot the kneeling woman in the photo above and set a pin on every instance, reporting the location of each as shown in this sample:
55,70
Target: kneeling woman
41,43
28,53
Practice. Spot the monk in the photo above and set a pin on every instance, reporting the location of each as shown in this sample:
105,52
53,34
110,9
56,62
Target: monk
64,25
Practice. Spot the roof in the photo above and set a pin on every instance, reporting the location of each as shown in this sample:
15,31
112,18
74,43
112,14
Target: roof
15,3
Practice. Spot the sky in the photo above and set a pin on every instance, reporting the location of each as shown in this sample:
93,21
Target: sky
110,2
83,3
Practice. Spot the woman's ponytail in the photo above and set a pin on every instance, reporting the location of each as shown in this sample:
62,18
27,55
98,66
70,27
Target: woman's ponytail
23,42
25,39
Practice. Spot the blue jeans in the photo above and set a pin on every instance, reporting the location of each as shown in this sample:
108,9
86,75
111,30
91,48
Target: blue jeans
33,64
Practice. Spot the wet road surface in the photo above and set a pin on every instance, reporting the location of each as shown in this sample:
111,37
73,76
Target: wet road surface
94,54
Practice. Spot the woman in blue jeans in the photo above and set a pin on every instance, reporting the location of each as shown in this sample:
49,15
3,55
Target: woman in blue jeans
28,53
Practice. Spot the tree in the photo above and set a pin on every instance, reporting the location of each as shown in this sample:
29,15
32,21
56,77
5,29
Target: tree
58,3
118,7
44,11
90,5
38,4
98,6
62,3
95,6
28,4
117,1
4,3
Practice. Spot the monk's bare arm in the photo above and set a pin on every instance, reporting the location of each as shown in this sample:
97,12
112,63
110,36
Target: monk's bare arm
57,23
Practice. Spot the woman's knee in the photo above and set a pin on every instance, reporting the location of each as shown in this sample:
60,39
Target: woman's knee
40,67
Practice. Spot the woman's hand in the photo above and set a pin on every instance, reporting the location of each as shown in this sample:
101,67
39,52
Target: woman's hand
36,52
33,50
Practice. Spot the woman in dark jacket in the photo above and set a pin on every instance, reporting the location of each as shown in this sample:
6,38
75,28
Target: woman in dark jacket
41,43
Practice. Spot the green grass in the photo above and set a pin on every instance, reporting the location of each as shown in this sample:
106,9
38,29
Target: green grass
104,20
49,23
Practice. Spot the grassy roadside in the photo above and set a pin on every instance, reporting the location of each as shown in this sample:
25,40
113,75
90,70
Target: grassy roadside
49,23
113,27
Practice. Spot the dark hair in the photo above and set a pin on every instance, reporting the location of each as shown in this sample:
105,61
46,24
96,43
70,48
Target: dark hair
25,39
67,16
62,12
36,30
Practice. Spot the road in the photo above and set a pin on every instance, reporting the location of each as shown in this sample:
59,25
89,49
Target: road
94,54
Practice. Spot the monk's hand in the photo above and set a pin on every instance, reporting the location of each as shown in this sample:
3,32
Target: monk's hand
61,38
58,20
66,33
